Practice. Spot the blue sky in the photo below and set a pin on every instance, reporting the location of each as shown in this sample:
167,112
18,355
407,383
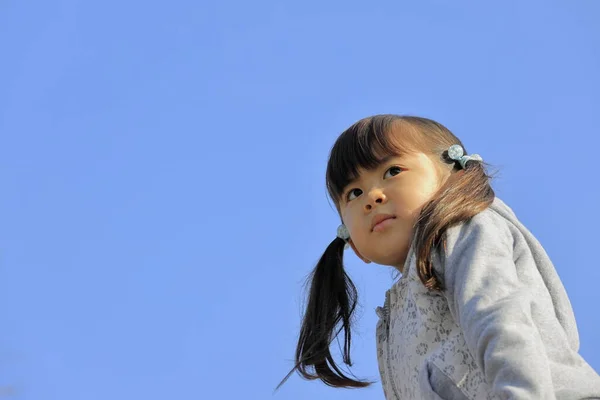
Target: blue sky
163,173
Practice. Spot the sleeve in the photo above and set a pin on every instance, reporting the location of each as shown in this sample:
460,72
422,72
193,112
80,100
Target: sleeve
493,308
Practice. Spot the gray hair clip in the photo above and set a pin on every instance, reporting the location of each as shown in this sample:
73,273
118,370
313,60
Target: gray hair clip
456,153
344,234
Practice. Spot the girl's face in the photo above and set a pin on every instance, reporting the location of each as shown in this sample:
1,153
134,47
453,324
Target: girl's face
381,207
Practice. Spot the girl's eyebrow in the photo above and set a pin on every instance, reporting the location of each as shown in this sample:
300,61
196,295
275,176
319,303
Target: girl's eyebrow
382,161
347,188
386,159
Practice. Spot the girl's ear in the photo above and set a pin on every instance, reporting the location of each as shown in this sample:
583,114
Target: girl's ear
358,252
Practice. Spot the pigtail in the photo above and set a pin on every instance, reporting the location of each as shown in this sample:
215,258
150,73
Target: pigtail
466,193
331,301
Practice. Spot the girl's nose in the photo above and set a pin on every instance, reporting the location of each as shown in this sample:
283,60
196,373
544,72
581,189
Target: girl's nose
375,197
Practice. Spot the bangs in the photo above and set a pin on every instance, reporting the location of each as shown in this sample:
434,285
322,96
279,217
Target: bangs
363,146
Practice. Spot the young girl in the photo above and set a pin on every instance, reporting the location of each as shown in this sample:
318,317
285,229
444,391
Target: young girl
479,312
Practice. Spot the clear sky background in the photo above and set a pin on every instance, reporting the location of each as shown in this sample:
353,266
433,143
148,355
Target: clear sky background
162,166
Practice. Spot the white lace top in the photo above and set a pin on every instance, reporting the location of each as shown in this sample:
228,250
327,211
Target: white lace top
424,339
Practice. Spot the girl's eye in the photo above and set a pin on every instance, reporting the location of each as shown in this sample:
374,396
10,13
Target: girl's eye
393,171
353,192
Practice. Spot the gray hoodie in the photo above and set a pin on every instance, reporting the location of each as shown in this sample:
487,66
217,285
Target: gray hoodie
502,329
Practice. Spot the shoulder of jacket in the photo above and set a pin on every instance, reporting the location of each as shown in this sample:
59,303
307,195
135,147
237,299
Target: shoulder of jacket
486,224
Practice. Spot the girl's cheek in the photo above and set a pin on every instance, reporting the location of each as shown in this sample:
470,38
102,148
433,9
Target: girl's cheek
352,228
346,214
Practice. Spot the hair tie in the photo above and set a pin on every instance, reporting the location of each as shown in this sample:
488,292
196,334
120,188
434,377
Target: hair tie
456,153
344,234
